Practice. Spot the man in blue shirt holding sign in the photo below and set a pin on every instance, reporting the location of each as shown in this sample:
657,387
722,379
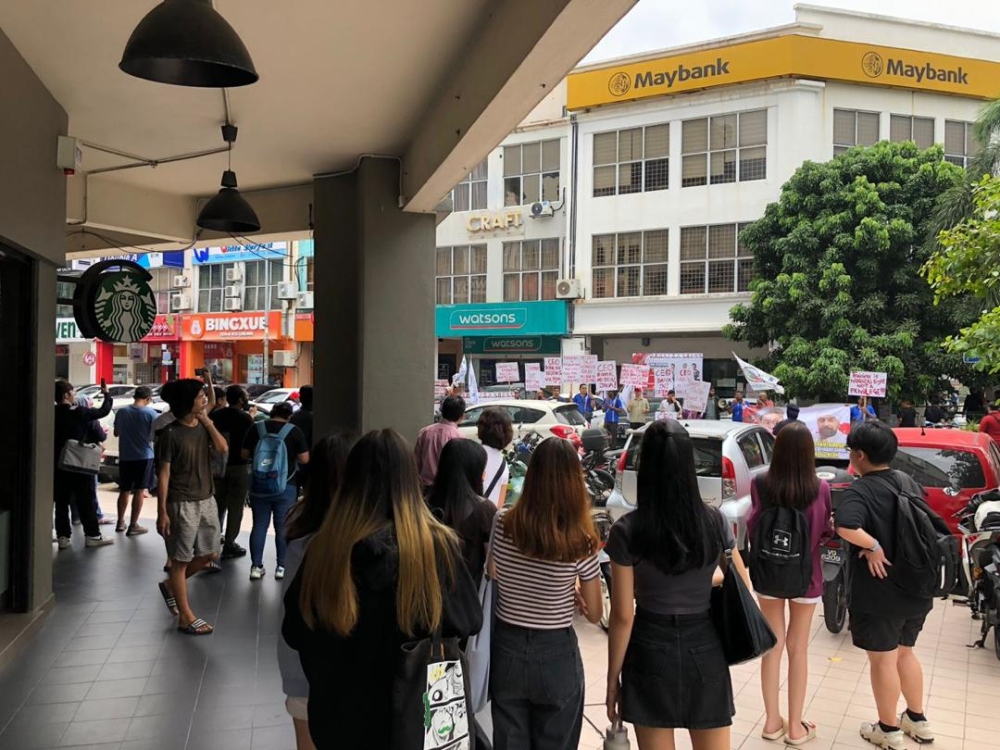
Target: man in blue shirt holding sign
613,410
585,403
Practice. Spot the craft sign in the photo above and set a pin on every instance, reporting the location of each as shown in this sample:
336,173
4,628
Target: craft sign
508,372
867,384
607,376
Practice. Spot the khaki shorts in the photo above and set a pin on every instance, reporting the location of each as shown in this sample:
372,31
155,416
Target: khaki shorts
194,529
298,708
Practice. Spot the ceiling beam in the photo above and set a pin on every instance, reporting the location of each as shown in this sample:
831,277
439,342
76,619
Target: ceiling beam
523,49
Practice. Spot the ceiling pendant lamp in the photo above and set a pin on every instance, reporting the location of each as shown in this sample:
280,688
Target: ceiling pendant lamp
188,43
228,211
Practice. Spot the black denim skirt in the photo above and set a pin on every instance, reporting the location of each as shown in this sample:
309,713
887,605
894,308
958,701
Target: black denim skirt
675,675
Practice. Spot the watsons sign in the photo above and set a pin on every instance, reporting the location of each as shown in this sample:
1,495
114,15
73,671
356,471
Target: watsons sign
548,318
471,321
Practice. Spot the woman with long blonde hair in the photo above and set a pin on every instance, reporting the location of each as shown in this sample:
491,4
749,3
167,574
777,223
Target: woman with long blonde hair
544,559
380,571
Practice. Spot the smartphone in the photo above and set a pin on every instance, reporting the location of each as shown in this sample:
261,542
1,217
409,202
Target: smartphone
201,372
104,384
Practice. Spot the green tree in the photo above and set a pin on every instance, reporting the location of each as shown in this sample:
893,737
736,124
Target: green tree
837,283
968,262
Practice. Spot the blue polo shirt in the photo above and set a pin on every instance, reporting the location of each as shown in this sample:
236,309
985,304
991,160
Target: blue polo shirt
611,416
584,403
134,425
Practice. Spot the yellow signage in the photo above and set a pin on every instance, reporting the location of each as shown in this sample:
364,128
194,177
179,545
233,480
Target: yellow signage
496,221
790,56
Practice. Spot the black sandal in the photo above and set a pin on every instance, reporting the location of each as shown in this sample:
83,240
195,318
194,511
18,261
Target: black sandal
198,627
169,599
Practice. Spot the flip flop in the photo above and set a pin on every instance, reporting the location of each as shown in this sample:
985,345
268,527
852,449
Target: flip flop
198,627
810,735
169,599
777,734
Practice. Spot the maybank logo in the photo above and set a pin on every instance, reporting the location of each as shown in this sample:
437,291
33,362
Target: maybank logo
873,67
513,319
620,83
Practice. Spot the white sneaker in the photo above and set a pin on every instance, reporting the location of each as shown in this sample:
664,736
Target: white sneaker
279,572
256,572
918,730
872,732
65,542
98,541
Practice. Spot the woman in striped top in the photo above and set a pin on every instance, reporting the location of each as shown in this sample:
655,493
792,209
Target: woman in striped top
544,560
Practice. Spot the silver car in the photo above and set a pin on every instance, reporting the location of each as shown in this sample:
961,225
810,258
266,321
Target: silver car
727,456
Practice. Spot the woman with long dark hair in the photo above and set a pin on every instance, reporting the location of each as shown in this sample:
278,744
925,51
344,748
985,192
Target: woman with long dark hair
791,482
457,500
666,669
544,559
380,572
329,457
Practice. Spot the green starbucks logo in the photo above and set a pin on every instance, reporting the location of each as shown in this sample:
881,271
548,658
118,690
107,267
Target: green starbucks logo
124,307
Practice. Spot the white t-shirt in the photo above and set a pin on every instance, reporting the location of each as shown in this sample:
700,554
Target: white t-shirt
494,459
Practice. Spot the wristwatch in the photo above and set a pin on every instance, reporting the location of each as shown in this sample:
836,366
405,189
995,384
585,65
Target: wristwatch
875,548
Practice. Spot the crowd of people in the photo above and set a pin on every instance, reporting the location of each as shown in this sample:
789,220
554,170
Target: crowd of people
382,546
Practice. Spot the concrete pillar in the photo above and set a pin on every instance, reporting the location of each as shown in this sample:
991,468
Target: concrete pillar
374,286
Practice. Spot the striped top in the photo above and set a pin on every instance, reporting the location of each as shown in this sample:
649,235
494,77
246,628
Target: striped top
534,593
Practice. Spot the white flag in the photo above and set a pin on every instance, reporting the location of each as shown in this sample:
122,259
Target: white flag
757,379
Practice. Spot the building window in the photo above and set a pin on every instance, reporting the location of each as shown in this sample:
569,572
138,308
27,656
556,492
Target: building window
852,128
713,261
470,193
310,273
461,274
724,148
162,286
212,286
531,173
920,130
632,161
530,270
959,144
630,264
260,284
65,290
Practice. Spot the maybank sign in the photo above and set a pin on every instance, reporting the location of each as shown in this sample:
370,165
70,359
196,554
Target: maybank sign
784,57
502,319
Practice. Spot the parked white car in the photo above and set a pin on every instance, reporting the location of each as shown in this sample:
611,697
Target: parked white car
727,455
267,400
547,418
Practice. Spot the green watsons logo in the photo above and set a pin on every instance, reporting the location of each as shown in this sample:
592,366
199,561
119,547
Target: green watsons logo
513,319
927,72
680,74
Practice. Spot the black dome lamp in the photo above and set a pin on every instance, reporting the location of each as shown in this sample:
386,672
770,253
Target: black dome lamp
228,211
188,43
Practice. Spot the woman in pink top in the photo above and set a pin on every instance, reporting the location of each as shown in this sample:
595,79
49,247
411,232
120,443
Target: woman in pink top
791,482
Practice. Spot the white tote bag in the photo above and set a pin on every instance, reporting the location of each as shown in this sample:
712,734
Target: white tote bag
80,458
477,651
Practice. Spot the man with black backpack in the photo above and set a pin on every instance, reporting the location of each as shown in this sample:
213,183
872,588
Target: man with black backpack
898,540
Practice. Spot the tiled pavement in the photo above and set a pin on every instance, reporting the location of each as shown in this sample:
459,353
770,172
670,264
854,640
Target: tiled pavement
108,670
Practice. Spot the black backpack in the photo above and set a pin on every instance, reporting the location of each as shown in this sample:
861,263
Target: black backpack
781,552
926,561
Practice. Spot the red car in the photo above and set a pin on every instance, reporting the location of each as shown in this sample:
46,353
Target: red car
951,465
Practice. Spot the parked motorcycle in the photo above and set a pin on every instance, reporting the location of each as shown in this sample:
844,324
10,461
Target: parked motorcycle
980,527
517,463
597,466
834,556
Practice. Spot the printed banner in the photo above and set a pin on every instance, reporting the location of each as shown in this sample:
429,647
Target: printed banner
533,380
508,372
589,374
553,371
636,376
687,366
572,369
867,384
757,379
829,424
607,376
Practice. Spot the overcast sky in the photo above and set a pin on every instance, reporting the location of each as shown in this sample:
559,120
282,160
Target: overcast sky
657,24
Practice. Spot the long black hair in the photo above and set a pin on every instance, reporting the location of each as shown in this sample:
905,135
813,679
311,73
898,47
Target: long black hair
673,528
326,470
458,485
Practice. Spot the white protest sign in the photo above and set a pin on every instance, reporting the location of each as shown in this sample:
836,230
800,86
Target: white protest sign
607,376
533,379
867,384
553,371
440,388
572,369
663,381
696,397
508,372
589,374
636,376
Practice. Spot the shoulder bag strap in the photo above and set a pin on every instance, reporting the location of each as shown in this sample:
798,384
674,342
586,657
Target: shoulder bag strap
503,465
261,430
283,433
493,537
725,555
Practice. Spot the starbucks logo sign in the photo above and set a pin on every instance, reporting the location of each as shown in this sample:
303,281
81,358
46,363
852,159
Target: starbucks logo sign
114,302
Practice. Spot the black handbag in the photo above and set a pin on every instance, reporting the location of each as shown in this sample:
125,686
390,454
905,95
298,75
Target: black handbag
742,627
430,697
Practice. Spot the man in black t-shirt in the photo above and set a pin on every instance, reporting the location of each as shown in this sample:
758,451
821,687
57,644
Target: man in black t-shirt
885,619
233,421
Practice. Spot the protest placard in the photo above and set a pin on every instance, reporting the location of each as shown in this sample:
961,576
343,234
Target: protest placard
440,389
636,376
589,374
867,384
663,381
533,379
607,376
508,372
696,396
572,369
553,371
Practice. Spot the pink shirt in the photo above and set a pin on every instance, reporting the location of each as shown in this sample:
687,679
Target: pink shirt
427,451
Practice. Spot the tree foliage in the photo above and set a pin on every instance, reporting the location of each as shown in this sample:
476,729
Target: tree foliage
837,283
968,262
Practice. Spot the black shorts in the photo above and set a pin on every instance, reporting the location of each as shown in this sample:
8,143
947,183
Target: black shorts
879,633
135,475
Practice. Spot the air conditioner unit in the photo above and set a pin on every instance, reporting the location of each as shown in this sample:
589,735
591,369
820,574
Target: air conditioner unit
541,208
181,282
288,290
284,359
180,302
234,291
234,304
305,300
233,274
569,289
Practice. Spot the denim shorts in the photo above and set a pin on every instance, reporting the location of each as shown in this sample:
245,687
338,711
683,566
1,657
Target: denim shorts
675,675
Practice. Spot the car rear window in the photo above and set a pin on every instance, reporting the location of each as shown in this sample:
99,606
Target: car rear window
569,415
941,467
707,455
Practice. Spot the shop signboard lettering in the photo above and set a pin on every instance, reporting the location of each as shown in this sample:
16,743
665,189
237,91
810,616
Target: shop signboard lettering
240,253
67,331
504,222
511,345
224,326
502,319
